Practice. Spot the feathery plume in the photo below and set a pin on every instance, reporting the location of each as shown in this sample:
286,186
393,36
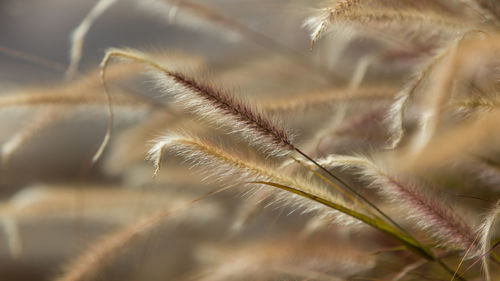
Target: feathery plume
430,215
416,23
224,109
215,106
237,170
299,194
319,23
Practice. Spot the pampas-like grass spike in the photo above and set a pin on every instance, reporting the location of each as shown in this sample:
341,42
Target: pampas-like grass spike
215,106
439,220
352,12
319,23
224,109
230,168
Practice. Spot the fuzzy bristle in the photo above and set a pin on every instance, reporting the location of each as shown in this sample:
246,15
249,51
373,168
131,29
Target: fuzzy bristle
215,106
234,170
436,217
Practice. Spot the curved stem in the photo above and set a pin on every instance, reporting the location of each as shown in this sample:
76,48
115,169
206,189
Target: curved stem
342,183
405,237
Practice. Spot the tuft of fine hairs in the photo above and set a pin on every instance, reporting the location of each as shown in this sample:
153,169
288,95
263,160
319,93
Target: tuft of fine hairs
436,217
234,170
391,172
216,106
224,109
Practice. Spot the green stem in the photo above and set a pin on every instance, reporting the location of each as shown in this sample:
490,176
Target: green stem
411,243
377,223
405,237
493,254
346,186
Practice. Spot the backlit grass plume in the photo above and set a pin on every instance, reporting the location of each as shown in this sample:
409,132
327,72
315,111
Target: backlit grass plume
235,170
215,106
268,181
436,217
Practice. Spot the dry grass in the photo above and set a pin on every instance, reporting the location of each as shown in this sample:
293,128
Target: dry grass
379,164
